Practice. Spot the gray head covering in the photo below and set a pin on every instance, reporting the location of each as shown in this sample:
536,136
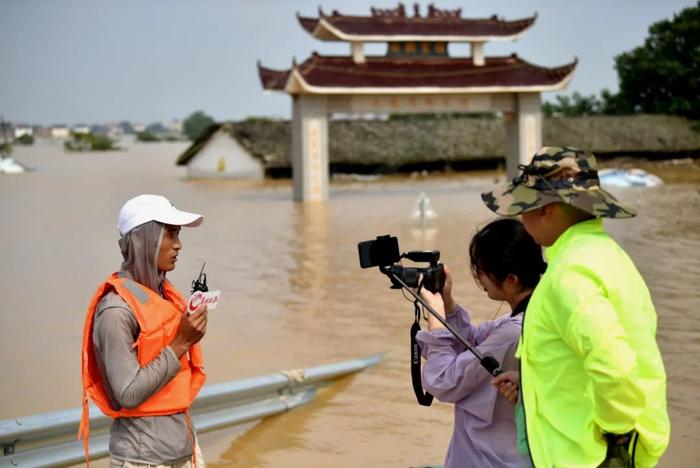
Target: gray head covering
140,248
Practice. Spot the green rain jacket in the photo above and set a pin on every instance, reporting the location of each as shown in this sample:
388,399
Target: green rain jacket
588,354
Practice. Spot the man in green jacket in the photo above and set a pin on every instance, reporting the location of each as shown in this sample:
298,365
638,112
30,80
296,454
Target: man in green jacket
592,382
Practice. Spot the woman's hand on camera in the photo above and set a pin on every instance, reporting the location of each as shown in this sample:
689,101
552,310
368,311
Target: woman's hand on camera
435,301
508,385
447,293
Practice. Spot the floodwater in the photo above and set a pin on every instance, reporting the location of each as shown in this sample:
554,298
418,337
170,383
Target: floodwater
295,297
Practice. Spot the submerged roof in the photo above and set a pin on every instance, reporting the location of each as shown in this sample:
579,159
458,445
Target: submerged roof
341,75
395,25
199,143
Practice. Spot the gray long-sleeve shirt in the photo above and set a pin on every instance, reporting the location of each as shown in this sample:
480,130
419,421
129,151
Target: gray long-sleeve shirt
146,440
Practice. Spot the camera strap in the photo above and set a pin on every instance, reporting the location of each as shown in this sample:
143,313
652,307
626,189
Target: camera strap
424,398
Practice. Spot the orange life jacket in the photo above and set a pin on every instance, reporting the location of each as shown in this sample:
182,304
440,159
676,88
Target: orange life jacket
159,319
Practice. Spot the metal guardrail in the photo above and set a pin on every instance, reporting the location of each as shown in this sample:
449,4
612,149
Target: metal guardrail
49,439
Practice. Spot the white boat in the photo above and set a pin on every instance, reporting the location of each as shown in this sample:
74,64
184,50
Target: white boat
10,166
628,178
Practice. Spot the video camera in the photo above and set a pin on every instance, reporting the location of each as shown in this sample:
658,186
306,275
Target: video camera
383,252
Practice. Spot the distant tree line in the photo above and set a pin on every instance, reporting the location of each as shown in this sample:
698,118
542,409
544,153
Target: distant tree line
578,105
25,139
660,77
89,142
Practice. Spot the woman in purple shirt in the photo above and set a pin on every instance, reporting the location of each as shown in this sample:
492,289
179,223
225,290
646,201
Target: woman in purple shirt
507,263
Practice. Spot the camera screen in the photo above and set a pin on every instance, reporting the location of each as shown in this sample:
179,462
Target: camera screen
382,251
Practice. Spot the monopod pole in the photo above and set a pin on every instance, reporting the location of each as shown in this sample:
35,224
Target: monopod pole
488,362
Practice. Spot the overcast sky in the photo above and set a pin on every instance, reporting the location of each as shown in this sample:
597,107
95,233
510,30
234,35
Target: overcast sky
69,61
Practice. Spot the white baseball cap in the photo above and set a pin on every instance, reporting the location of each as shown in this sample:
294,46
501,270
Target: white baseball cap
145,208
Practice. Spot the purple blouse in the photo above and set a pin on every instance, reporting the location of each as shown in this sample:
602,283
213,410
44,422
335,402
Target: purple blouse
484,429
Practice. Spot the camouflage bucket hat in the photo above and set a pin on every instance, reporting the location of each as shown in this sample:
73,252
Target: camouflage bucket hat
566,175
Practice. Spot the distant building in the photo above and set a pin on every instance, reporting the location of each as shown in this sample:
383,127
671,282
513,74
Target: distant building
60,132
175,126
217,154
98,128
21,130
42,132
81,129
114,130
126,127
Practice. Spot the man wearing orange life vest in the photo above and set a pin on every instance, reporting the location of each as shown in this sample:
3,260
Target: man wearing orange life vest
141,361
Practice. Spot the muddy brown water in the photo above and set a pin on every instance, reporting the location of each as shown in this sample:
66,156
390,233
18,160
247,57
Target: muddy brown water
295,297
